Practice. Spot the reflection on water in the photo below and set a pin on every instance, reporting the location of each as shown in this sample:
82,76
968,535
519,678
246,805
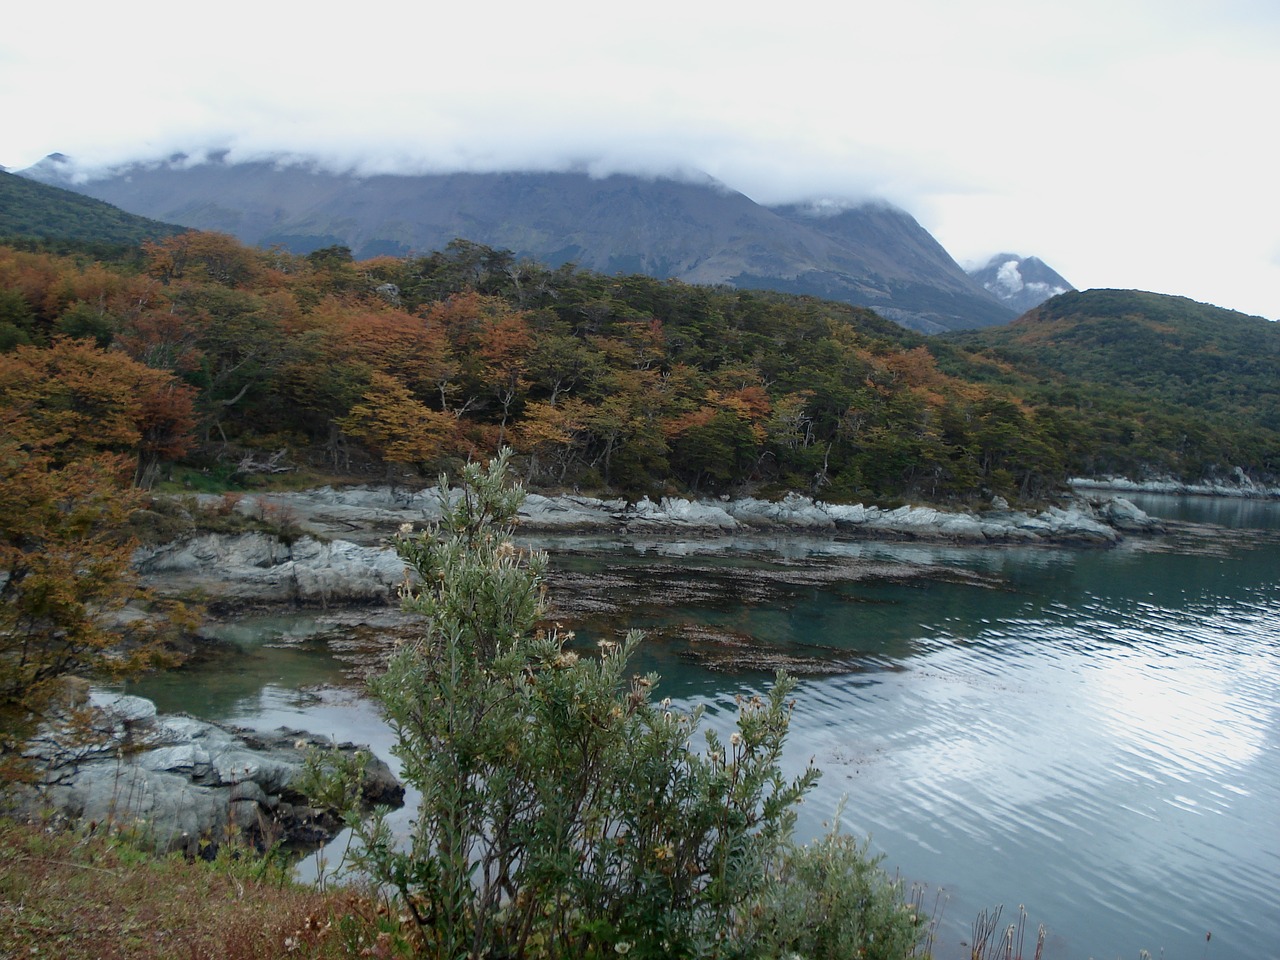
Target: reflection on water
1126,794
283,654
1092,733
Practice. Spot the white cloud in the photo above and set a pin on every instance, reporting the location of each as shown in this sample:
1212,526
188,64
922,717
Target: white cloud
1125,142
1008,277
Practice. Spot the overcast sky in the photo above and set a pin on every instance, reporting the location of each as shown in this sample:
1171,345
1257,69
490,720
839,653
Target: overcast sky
1128,143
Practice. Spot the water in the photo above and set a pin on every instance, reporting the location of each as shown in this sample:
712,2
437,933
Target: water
1094,734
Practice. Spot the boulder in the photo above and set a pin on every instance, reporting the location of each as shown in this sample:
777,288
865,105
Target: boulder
1125,515
258,567
569,513
699,514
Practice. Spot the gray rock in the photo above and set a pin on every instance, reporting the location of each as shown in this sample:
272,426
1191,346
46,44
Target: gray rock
568,513
190,759
1125,515
191,782
257,567
794,512
690,513
122,708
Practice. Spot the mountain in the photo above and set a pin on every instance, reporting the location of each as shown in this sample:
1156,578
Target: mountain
1019,282
38,211
698,231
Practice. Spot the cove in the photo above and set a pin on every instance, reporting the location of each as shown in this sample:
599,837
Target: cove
1094,734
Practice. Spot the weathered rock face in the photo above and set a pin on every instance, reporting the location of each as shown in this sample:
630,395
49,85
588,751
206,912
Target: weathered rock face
260,568
371,515
1079,522
184,784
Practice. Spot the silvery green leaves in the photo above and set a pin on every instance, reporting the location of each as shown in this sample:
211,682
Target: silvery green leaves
564,811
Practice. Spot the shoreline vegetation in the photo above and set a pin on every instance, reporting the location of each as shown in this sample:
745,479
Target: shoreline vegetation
91,893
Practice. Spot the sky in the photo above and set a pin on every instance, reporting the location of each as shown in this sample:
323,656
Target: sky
1127,143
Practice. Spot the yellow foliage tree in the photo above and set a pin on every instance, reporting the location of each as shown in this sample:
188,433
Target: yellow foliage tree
397,427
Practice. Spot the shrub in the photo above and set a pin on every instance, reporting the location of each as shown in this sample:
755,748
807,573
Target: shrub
564,812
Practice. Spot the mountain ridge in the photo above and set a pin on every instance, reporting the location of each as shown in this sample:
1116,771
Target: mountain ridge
700,231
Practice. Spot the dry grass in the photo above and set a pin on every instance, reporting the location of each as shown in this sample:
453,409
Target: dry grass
73,896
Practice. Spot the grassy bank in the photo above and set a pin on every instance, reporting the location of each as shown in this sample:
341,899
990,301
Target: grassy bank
81,894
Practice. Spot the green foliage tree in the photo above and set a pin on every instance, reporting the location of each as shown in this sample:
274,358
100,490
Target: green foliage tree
17,320
84,321
564,812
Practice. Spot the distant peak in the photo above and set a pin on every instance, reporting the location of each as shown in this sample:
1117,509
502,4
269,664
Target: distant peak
998,260
56,168
1019,282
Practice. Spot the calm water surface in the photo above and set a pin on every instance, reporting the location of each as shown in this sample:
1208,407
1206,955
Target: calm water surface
1094,734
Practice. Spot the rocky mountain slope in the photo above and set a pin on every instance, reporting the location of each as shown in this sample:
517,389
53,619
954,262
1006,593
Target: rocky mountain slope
696,230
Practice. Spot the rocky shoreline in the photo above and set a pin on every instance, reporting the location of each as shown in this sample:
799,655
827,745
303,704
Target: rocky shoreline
190,785
1239,486
343,555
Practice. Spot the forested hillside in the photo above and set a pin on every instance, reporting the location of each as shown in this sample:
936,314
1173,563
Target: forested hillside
1156,384
395,367
40,212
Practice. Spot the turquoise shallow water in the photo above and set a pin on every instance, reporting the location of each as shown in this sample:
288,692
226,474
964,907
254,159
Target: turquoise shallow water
1092,734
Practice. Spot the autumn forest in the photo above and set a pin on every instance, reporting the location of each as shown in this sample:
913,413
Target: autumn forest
200,359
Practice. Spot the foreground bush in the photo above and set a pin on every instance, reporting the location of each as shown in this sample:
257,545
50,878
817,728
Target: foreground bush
565,813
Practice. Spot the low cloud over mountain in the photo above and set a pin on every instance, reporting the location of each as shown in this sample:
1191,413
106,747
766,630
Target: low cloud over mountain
692,229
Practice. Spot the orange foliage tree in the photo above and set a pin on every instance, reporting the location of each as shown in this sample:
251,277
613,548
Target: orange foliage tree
78,425
73,400
65,579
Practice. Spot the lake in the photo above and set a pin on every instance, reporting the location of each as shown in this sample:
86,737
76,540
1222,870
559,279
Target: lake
1094,734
